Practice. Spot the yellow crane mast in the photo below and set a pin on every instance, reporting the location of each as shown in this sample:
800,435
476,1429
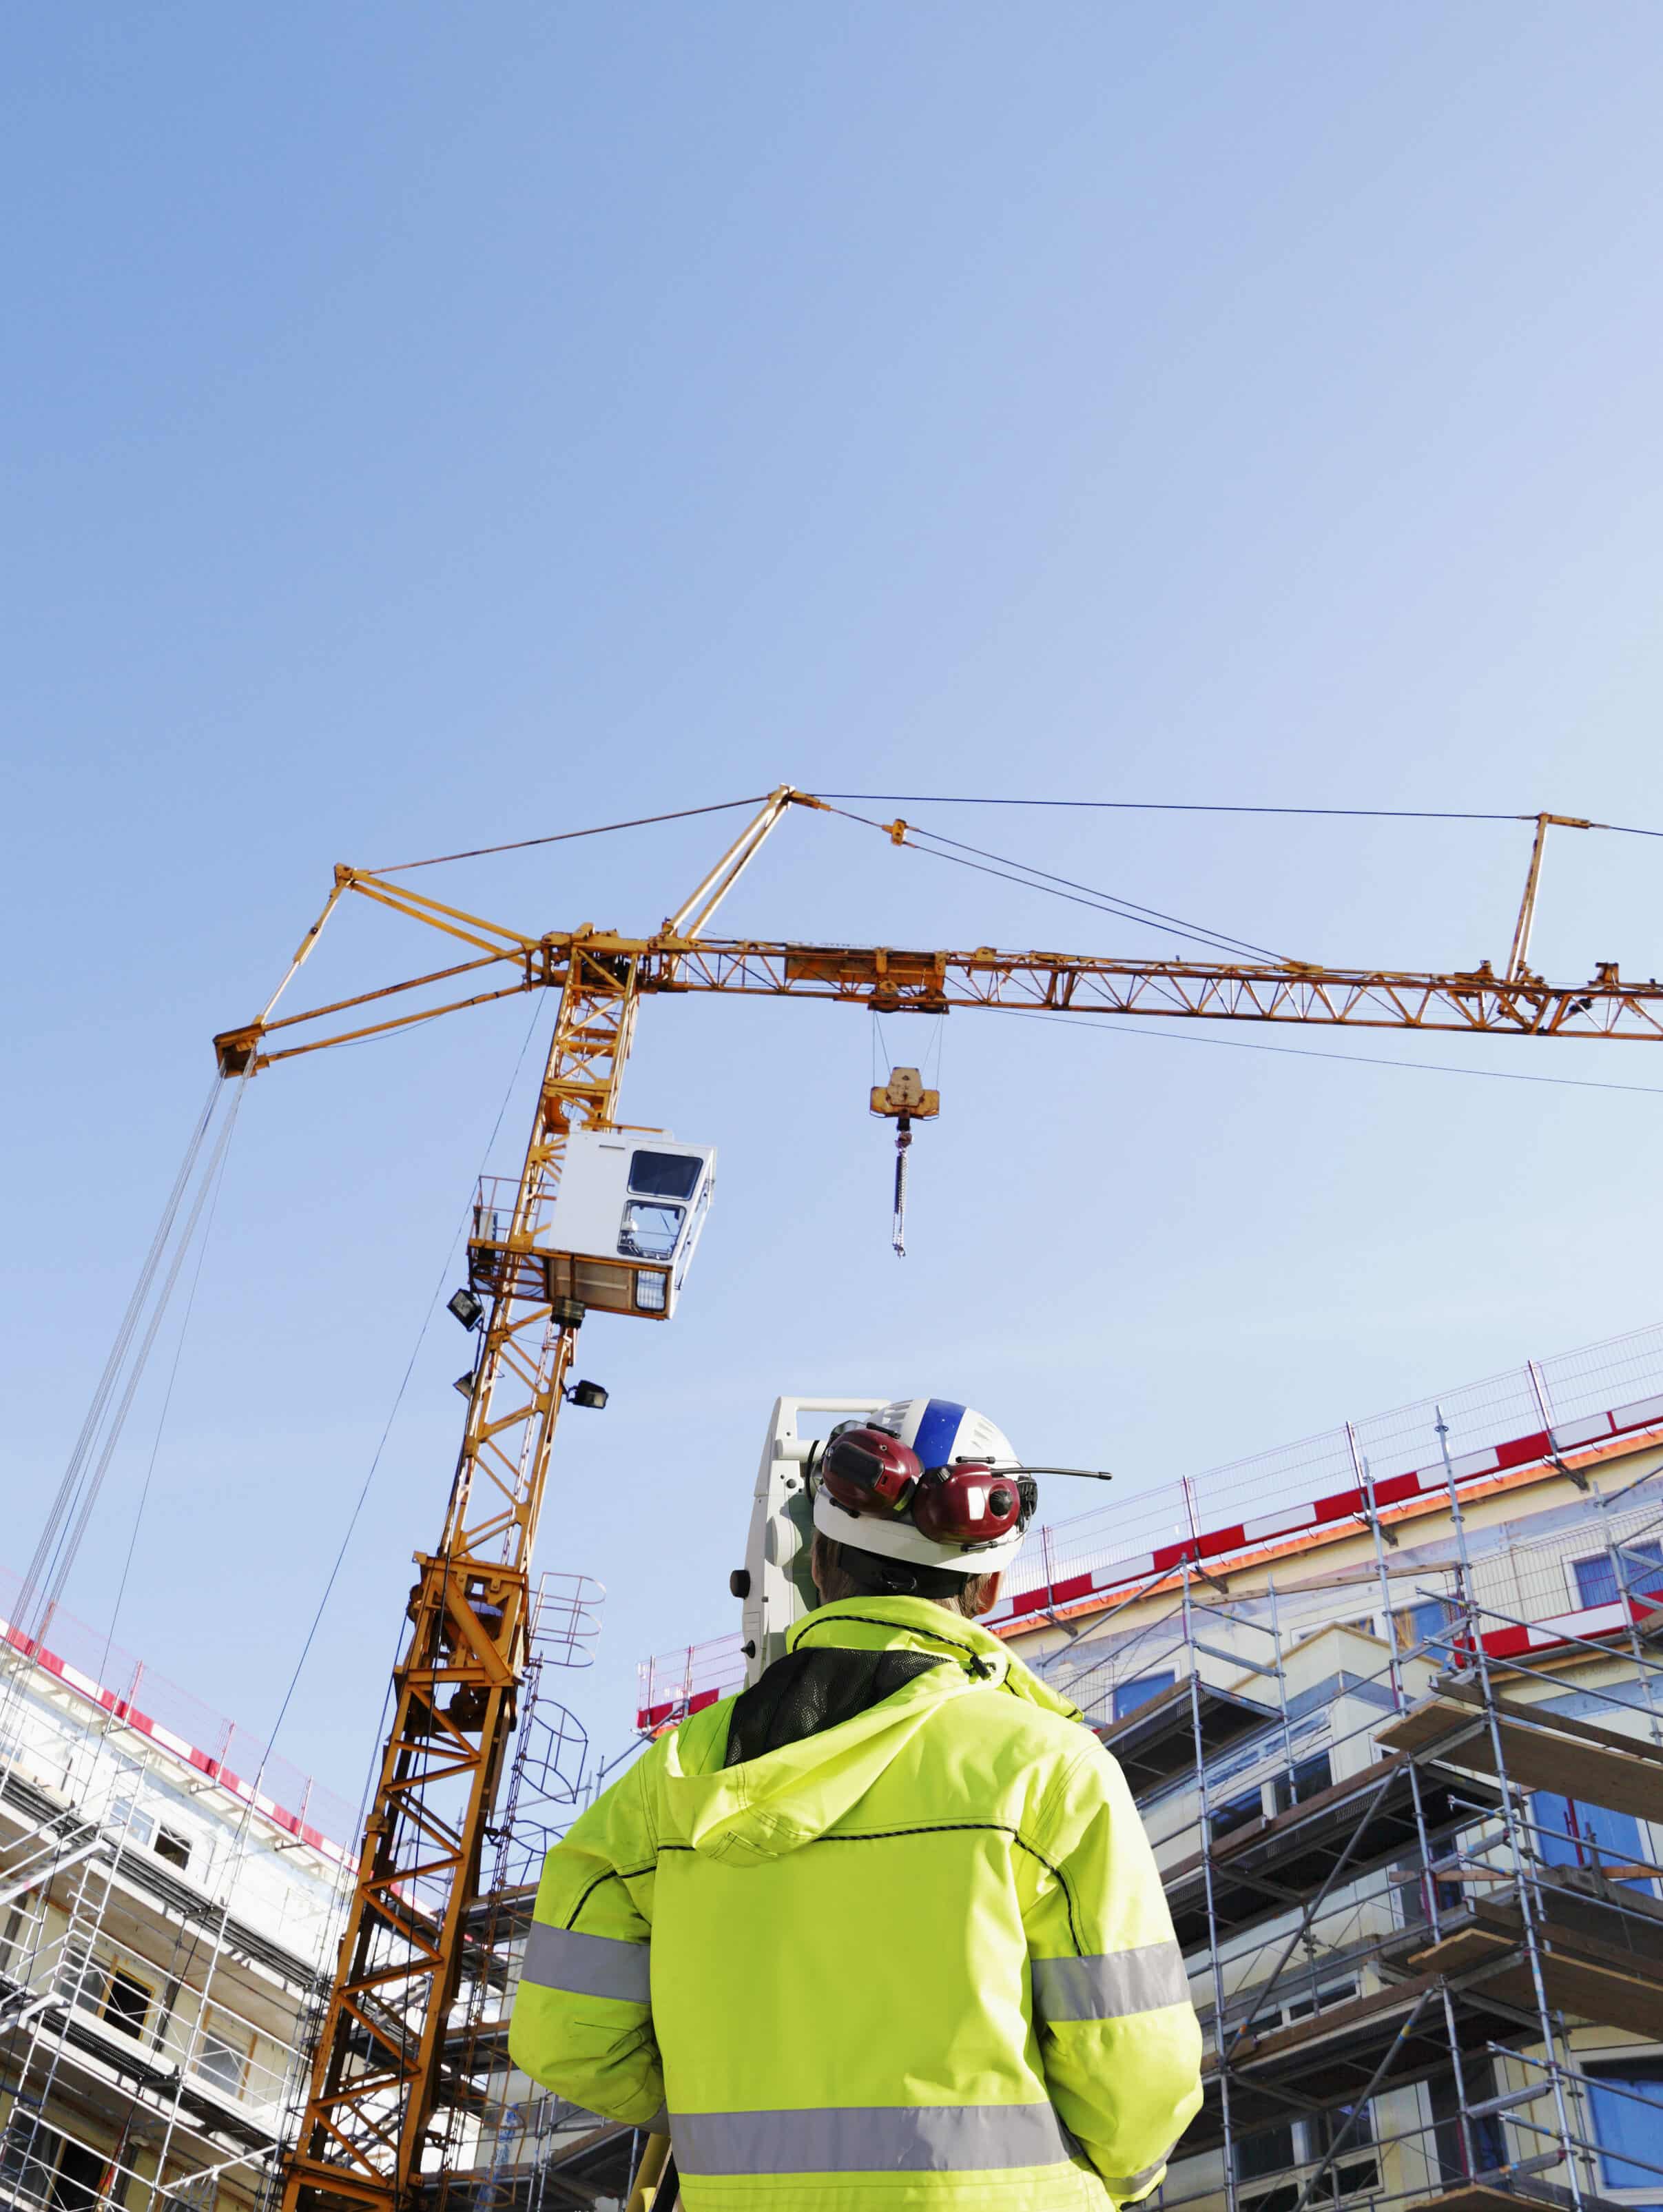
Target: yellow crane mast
387,2097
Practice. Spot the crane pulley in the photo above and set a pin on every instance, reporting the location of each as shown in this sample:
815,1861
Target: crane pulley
392,2087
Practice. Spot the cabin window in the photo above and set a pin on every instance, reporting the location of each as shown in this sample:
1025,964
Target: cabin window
649,1233
665,1174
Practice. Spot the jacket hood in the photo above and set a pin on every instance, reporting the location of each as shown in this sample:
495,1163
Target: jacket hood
767,1807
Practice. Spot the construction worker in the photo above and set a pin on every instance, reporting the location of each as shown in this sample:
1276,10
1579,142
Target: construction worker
885,1929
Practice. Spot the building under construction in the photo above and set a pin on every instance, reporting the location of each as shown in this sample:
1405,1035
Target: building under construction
169,1900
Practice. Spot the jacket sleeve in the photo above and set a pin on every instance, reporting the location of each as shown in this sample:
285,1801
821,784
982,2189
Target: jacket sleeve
582,2022
1117,2035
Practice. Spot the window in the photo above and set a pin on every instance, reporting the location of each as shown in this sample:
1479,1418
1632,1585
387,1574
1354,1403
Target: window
1284,2199
1570,1833
1484,2132
21,2145
78,2183
1235,1813
194,2194
1258,2156
1424,1624
1628,2122
222,2055
126,2002
1324,2001
1128,1696
1596,1578
1306,1778
1411,1892
175,1849
665,1174
124,1820
649,1233
1324,2131
80,1977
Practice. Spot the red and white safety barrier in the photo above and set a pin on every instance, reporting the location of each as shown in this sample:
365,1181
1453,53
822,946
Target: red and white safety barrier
1342,1506
215,1769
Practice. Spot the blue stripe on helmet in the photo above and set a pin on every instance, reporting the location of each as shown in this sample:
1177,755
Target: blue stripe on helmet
937,1432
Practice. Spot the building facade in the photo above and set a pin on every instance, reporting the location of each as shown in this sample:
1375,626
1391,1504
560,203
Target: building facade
166,1931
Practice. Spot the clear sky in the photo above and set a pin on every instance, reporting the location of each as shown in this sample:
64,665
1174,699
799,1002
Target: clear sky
425,426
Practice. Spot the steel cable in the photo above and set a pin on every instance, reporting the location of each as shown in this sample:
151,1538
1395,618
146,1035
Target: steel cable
64,1502
69,1539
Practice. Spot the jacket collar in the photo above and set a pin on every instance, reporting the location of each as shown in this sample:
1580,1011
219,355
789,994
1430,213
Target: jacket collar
916,1624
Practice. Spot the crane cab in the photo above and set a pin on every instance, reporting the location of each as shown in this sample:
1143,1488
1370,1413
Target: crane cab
623,1227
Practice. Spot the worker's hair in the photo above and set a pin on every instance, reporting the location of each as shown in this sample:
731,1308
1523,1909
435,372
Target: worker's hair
843,1570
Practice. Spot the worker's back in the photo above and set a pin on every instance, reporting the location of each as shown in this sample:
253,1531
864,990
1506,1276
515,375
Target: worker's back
907,1943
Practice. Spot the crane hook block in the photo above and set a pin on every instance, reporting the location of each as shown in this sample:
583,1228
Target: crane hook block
904,1097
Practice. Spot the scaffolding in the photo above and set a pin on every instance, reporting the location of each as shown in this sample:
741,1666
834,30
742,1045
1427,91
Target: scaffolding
166,1927
1410,1838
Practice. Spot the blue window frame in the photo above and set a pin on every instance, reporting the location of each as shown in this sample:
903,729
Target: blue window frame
1128,1696
1626,2128
1596,1576
1571,1833
1424,1623
1236,1812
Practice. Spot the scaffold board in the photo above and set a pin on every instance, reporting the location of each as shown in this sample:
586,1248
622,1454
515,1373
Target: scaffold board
1546,1751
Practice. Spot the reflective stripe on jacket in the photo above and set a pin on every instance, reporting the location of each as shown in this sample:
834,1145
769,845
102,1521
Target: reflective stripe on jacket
919,1958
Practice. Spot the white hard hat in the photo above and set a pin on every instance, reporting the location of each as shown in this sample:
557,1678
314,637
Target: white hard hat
940,1432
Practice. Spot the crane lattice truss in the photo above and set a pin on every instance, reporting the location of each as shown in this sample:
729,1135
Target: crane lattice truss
388,2104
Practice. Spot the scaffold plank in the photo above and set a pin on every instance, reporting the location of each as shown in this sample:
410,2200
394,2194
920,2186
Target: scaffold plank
1597,1981
1546,1751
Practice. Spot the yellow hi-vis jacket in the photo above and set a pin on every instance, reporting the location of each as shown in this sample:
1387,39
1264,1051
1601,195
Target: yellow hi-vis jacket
919,1958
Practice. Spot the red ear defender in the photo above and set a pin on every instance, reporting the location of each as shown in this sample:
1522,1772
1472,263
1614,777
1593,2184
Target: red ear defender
967,1504
868,1471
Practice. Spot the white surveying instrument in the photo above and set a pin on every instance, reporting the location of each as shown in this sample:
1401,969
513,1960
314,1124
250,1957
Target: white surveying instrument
773,1585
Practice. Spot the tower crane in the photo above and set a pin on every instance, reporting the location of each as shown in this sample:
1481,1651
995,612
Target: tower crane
391,2089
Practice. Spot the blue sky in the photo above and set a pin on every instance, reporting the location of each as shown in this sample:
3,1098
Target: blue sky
425,428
